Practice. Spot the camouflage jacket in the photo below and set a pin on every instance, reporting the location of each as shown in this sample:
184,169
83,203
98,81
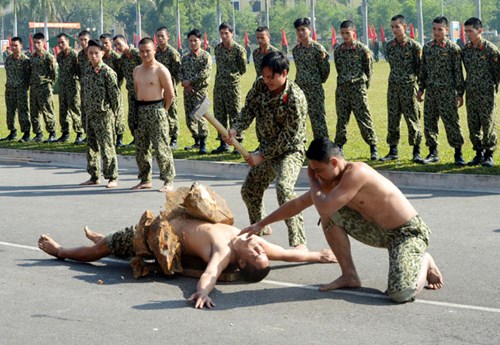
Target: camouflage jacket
170,58
18,71
405,59
129,61
196,69
112,59
68,67
280,121
100,91
312,63
83,62
258,55
231,63
482,65
43,69
441,67
354,63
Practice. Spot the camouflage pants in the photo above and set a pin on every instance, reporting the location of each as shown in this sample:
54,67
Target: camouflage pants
173,120
353,98
481,118
42,105
285,170
152,131
83,114
120,122
402,99
198,128
16,98
441,102
315,96
227,105
132,113
69,104
101,142
406,246
120,242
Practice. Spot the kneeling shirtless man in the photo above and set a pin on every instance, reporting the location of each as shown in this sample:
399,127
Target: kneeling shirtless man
353,199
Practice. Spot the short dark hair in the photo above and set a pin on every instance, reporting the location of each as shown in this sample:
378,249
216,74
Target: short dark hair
399,17
163,28
146,40
322,149
17,39
39,36
226,26
120,37
302,22
347,24
194,32
441,20
476,23
84,33
253,274
106,36
95,43
263,29
276,61
63,35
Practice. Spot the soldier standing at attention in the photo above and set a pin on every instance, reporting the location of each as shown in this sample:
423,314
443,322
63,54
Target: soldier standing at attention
354,64
264,40
442,79
481,61
69,90
102,101
17,68
279,108
83,65
404,57
112,59
231,65
155,91
43,75
313,69
194,74
129,60
170,58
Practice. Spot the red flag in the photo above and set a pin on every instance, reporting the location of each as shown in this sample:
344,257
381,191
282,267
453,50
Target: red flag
412,31
247,42
382,34
76,41
10,42
284,41
154,39
314,37
462,33
46,44
334,37
179,42
31,44
355,36
374,33
205,41
137,38
56,51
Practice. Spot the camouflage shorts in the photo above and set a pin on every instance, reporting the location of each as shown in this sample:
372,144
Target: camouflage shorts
406,246
120,242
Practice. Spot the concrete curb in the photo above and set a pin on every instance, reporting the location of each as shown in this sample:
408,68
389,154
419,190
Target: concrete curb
238,171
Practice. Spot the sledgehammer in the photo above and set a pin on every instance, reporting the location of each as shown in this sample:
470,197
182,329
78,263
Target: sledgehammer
201,111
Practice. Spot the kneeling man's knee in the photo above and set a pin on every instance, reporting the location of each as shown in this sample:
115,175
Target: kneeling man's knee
404,295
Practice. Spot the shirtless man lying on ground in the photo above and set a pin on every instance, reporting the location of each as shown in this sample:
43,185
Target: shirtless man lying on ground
353,199
217,244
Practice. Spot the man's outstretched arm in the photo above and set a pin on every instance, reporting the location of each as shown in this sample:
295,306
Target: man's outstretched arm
277,253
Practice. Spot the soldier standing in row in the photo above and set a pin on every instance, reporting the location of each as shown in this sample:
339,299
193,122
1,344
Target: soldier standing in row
43,75
69,90
354,64
481,61
279,108
404,57
17,68
194,74
313,69
170,58
264,40
102,100
231,65
129,60
83,65
112,59
442,80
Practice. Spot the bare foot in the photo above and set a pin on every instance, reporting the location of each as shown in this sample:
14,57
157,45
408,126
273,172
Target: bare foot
112,184
434,276
143,185
301,247
344,281
48,245
90,183
92,235
167,187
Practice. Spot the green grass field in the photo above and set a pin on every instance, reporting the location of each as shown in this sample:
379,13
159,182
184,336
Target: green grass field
355,149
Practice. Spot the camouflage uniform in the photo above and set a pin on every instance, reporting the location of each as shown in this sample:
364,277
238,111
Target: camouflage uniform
258,55
313,69
69,91
441,76
112,59
231,65
171,59
196,69
128,62
83,64
43,75
102,101
483,74
280,123
354,67
404,58
152,130
16,91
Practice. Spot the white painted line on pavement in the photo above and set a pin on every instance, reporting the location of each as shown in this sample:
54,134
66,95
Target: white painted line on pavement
315,287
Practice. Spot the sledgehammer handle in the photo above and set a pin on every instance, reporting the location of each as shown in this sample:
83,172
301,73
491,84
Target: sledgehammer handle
223,131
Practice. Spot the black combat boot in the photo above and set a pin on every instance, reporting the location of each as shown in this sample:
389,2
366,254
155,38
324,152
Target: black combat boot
416,154
478,159
392,155
432,157
488,159
119,140
79,139
223,147
52,138
37,138
373,152
11,136
173,143
203,146
26,137
459,159
195,146
64,138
